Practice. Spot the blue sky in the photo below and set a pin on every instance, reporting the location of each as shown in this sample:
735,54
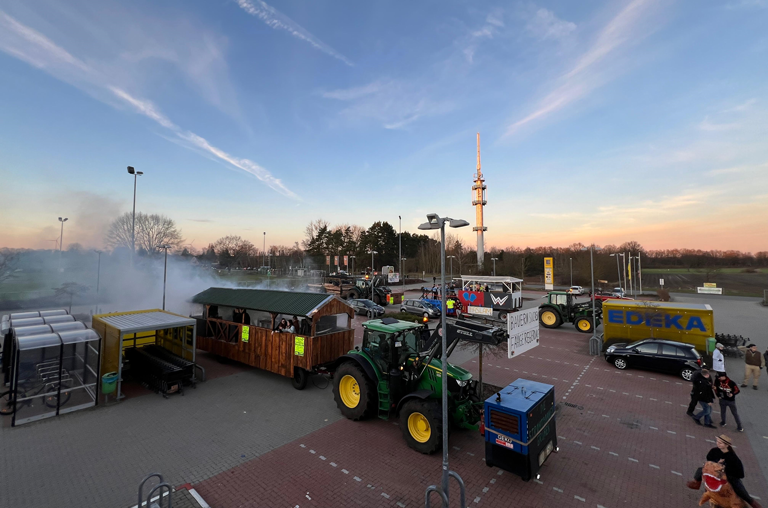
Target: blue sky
600,121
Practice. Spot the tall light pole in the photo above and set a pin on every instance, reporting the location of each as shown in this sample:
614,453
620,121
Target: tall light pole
494,265
264,250
451,258
372,253
352,258
571,260
165,270
61,240
639,272
135,174
402,262
592,248
98,271
400,246
434,221
618,268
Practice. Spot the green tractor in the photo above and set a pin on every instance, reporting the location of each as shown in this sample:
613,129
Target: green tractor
561,307
397,372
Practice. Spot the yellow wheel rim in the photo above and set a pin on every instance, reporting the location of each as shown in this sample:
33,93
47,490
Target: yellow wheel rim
548,317
585,325
349,391
418,427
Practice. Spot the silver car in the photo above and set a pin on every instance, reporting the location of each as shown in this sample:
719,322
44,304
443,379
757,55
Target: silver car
420,308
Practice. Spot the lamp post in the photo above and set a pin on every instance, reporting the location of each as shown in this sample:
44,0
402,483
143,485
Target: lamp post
352,258
618,268
592,269
98,271
61,238
372,253
639,272
402,262
264,249
165,270
434,221
135,174
571,260
494,265
400,245
451,258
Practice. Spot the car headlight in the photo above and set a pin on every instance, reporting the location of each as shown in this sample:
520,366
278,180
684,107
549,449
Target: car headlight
462,383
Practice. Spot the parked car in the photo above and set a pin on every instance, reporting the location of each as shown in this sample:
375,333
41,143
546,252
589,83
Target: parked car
420,308
656,354
576,290
618,292
366,307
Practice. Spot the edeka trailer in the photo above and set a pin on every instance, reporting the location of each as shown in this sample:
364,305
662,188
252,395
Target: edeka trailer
629,320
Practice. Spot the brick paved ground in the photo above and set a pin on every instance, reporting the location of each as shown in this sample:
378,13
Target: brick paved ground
627,442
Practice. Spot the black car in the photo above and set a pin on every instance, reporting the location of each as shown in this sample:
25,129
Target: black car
656,354
366,308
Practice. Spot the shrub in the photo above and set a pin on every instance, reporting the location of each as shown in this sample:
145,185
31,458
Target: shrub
663,295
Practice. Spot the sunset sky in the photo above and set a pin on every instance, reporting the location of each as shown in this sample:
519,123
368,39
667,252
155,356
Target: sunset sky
600,121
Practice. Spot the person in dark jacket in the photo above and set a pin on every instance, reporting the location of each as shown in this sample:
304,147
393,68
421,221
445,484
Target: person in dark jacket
734,469
697,383
705,394
726,390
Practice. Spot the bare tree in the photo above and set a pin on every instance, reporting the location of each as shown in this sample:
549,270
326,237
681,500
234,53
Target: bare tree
8,260
152,232
310,232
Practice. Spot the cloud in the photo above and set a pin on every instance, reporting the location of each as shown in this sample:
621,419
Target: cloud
745,106
34,48
392,103
279,21
545,25
590,70
708,126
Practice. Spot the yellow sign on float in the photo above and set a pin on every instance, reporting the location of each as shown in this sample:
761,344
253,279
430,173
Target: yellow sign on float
298,346
549,277
245,335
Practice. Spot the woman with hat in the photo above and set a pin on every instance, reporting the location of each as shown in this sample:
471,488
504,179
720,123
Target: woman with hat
734,470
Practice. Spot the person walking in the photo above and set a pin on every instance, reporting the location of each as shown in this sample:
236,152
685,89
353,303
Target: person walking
701,382
753,362
734,469
705,394
726,391
718,360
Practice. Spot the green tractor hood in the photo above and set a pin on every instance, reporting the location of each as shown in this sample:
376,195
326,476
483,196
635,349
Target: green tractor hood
454,371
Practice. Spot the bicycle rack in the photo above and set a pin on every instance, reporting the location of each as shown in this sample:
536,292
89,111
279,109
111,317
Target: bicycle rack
159,487
444,495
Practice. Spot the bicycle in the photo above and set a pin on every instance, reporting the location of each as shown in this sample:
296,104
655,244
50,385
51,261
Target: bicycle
28,392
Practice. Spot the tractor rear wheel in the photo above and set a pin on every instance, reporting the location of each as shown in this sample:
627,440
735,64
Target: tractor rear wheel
354,393
549,318
377,299
420,421
353,294
583,325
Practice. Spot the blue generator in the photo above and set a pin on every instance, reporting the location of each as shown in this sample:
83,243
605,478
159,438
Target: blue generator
520,428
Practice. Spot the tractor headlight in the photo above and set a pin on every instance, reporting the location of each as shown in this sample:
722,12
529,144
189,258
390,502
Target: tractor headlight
461,383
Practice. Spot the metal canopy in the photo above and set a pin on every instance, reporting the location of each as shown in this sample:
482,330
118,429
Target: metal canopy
146,321
296,303
38,341
499,279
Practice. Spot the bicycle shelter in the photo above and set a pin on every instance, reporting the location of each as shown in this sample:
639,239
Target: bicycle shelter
53,373
137,329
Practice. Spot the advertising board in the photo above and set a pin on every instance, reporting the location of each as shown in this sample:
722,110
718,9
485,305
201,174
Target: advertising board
523,329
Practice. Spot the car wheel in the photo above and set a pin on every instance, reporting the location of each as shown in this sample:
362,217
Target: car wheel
370,314
620,363
687,373
402,309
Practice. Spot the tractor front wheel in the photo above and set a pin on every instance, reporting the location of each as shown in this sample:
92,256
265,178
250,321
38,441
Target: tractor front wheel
354,393
549,318
420,421
584,325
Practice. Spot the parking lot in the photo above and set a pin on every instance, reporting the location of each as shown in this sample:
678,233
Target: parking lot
247,438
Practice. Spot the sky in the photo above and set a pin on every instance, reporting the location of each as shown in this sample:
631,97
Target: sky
600,121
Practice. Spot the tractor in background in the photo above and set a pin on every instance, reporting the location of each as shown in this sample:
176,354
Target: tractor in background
561,307
397,372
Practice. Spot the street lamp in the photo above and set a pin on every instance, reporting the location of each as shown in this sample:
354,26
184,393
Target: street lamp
400,246
372,253
571,260
135,174
98,271
494,265
434,221
591,249
451,258
264,249
352,258
618,268
402,274
61,240
165,270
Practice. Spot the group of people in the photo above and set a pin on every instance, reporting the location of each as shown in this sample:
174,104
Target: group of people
292,326
710,385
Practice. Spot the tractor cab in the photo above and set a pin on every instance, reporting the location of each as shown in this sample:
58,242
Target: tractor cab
391,343
561,299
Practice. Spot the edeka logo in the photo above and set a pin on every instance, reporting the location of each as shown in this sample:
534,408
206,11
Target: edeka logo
656,320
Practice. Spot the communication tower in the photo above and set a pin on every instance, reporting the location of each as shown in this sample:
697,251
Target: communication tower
478,200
